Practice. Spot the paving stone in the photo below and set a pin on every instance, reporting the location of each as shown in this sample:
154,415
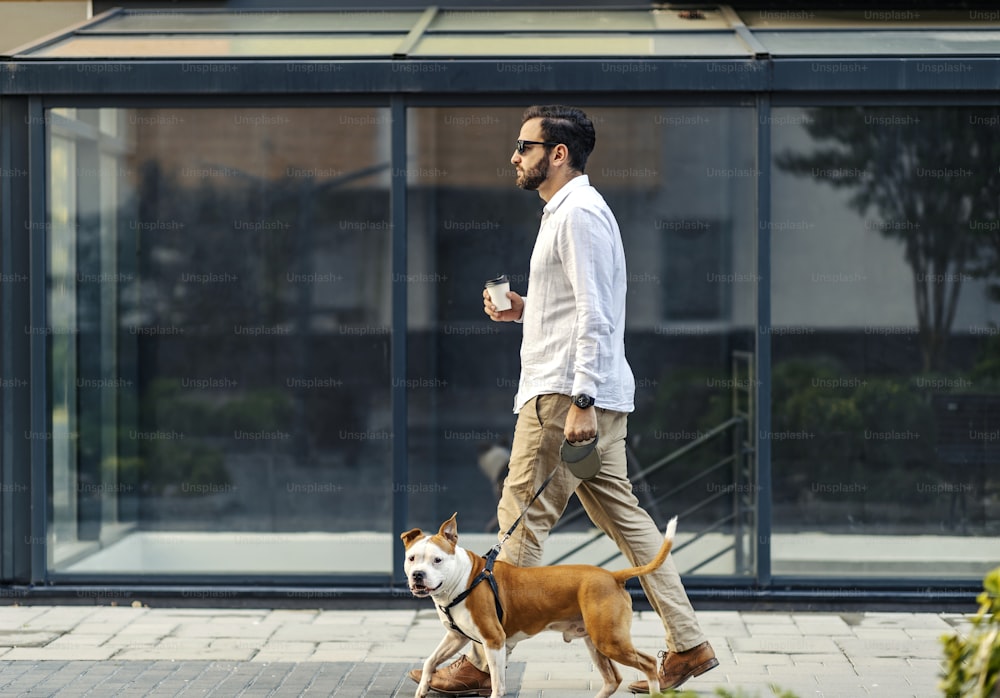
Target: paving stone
723,632
890,686
190,654
893,634
826,624
148,628
251,652
349,617
59,618
757,659
16,616
711,616
754,618
38,654
124,642
288,646
862,649
216,630
267,657
26,638
900,620
331,652
778,629
327,633
838,662
745,677
72,640
784,645
291,616
570,670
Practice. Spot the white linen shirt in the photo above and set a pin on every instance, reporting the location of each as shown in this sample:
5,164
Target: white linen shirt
574,308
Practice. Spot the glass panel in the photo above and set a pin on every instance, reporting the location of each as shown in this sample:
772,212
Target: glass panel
553,44
221,46
874,18
219,315
446,20
886,391
265,21
326,46
63,344
539,20
881,43
680,181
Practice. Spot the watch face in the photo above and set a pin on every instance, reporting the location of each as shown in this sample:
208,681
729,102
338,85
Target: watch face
584,401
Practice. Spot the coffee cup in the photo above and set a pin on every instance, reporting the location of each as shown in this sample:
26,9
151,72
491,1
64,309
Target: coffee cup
498,289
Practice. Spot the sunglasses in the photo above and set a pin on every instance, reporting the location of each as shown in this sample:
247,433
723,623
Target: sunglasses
522,144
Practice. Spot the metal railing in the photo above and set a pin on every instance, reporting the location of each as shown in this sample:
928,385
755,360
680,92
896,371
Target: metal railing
741,462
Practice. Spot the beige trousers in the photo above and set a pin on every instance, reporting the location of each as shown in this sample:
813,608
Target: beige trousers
608,500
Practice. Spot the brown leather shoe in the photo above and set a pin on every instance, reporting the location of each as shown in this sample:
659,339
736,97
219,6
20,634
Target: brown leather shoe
678,667
460,678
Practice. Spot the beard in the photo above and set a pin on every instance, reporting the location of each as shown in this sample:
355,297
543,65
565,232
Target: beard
530,180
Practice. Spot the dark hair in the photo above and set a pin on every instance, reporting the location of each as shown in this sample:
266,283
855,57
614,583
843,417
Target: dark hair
566,125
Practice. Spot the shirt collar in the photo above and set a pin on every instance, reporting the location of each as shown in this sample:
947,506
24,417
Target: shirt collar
568,188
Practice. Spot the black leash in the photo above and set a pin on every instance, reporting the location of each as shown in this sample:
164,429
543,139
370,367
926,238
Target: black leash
487,573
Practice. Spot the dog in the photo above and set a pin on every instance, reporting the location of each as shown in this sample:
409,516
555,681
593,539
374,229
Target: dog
580,601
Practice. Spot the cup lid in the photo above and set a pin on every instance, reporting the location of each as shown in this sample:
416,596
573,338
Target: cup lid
502,279
581,458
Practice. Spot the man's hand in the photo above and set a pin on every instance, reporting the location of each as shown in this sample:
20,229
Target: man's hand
581,425
516,308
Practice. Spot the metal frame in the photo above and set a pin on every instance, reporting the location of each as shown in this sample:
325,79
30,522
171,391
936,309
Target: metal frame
762,351
400,442
40,446
15,360
763,81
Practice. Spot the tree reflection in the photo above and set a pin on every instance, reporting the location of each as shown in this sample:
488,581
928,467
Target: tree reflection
931,175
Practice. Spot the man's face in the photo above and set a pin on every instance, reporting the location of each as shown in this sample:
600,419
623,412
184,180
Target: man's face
533,166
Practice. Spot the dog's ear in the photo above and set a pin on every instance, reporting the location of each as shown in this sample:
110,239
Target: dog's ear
411,536
449,529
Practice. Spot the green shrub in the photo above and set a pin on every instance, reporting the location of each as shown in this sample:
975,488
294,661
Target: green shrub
972,664
197,428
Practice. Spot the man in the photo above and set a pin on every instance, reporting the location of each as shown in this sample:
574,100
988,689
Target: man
576,384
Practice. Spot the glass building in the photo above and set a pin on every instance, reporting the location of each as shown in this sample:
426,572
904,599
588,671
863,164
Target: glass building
243,254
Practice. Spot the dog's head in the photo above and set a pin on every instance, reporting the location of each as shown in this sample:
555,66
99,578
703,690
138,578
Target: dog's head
430,560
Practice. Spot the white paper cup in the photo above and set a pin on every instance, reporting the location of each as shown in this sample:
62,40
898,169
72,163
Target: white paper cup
498,289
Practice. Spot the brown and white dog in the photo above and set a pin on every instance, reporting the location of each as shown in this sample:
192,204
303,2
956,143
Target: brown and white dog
576,600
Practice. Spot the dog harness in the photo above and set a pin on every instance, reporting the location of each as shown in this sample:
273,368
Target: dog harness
487,573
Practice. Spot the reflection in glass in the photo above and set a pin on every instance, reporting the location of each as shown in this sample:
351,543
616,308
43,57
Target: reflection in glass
886,395
219,320
681,184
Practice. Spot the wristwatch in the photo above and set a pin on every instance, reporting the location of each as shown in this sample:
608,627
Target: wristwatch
583,401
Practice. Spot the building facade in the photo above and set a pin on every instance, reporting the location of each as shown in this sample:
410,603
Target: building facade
243,254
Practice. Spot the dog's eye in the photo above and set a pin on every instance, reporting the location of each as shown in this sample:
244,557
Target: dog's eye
437,561
411,558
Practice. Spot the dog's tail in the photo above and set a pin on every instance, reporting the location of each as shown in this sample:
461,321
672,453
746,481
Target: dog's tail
668,542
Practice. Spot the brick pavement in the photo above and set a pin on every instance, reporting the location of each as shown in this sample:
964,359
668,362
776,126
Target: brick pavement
140,651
